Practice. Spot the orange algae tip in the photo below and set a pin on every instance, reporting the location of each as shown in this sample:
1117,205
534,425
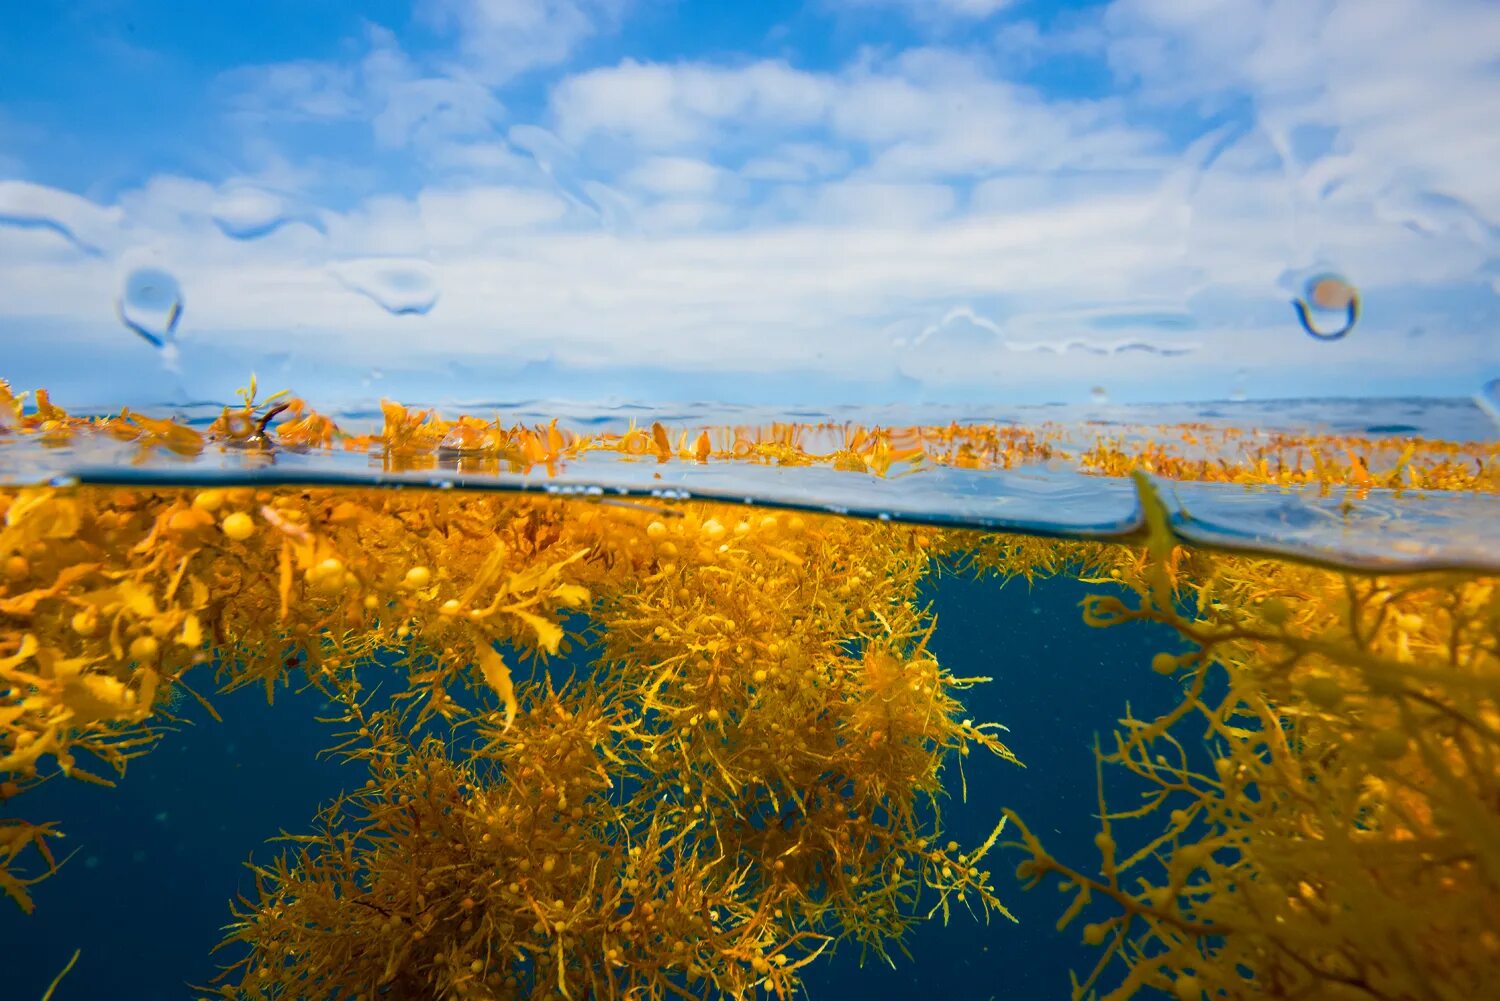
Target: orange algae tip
209,500
1164,663
656,531
16,568
187,520
449,607
418,577
144,647
238,526
1093,934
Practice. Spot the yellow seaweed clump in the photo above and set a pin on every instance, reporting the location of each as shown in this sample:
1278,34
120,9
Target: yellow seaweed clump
1338,834
746,774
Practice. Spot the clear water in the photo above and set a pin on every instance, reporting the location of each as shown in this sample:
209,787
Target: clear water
1365,529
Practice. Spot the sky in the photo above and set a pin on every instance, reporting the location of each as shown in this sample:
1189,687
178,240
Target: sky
783,203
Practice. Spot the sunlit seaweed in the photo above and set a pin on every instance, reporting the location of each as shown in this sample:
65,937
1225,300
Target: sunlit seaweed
1341,836
769,721
748,773
417,440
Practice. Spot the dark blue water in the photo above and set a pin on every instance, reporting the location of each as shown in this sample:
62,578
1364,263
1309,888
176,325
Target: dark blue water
158,858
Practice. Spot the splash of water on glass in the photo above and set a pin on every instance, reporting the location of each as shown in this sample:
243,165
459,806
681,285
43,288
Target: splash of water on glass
400,286
246,213
151,305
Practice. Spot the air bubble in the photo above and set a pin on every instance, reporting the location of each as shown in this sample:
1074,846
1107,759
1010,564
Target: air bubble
151,305
400,286
1328,293
1488,399
245,213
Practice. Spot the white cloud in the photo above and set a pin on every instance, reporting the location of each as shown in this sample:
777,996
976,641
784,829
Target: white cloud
499,39
754,215
88,227
674,175
670,106
302,90
490,158
1410,87
385,87
929,113
881,204
467,218
797,161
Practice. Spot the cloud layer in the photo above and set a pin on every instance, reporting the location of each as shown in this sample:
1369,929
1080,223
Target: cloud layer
953,216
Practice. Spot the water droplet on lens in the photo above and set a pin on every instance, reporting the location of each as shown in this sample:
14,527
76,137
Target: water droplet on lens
401,286
244,213
151,305
1488,399
1328,293
1099,395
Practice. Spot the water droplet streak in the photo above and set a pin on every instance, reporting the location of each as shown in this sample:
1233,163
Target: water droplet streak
400,286
247,213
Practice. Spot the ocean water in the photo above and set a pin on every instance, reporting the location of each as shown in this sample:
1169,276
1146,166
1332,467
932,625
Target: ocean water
151,866
158,858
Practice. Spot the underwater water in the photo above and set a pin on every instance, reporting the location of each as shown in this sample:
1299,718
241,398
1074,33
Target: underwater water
158,858
797,710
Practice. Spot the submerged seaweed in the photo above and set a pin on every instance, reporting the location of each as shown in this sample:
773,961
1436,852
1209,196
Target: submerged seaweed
750,774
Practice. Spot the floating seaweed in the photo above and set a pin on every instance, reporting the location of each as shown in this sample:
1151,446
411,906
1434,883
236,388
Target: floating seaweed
750,774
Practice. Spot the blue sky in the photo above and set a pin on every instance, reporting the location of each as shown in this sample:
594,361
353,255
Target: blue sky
811,202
